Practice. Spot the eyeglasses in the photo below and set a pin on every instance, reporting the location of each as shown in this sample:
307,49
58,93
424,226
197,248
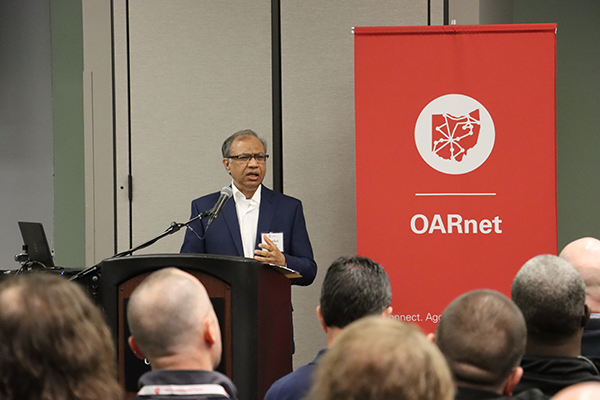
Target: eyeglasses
260,158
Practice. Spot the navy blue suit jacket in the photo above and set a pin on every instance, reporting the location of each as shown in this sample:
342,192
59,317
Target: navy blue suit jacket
295,385
278,213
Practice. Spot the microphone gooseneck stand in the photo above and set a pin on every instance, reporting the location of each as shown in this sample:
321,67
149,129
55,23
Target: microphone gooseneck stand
174,227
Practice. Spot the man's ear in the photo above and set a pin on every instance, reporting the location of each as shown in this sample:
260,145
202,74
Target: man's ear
321,320
387,312
431,337
226,165
512,381
587,312
134,347
210,333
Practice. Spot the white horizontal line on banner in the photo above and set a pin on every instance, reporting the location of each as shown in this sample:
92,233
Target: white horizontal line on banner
455,194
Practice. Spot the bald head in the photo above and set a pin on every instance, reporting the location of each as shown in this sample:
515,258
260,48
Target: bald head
169,316
482,334
580,391
584,255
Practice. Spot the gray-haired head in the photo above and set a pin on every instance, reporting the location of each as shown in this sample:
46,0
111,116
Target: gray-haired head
551,295
482,334
226,147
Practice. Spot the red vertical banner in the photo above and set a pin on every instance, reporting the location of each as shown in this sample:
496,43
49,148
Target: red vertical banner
455,157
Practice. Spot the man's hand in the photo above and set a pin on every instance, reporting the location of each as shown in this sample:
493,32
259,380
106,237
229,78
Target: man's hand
269,253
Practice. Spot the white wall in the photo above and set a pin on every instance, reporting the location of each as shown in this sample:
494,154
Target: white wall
26,142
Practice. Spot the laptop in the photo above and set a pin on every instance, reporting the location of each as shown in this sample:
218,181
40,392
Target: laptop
34,237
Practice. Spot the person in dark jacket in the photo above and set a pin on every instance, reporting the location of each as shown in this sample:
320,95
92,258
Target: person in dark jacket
354,287
551,296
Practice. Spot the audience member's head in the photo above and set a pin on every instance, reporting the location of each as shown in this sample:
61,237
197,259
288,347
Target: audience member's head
354,287
173,323
381,358
482,334
584,255
580,391
54,342
551,296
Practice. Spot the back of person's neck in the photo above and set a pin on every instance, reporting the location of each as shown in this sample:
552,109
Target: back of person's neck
181,362
567,347
497,390
332,334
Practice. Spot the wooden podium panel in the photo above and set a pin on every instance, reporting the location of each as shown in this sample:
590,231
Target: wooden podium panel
252,302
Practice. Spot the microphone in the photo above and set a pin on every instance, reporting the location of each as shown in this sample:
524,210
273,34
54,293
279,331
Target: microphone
226,193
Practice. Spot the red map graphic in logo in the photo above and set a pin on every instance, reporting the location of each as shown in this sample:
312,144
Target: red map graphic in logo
453,136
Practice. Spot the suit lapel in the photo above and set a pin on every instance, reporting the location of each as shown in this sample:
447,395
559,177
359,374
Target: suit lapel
265,216
229,214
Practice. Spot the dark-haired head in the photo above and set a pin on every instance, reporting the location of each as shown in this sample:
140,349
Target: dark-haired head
354,287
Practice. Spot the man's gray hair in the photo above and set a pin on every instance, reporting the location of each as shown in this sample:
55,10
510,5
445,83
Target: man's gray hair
551,295
226,147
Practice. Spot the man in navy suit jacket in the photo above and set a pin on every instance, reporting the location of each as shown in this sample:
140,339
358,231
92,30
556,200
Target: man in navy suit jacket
353,288
254,210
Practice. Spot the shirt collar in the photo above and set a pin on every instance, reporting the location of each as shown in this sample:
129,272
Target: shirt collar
239,196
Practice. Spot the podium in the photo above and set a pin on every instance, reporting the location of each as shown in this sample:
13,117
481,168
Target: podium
252,301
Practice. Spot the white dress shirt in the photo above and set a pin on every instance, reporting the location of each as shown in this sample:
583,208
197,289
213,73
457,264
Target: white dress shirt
247,213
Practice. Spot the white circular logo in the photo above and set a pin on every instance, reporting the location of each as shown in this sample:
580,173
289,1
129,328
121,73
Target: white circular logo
455,134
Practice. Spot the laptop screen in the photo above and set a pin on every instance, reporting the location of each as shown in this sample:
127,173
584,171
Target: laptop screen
34,238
